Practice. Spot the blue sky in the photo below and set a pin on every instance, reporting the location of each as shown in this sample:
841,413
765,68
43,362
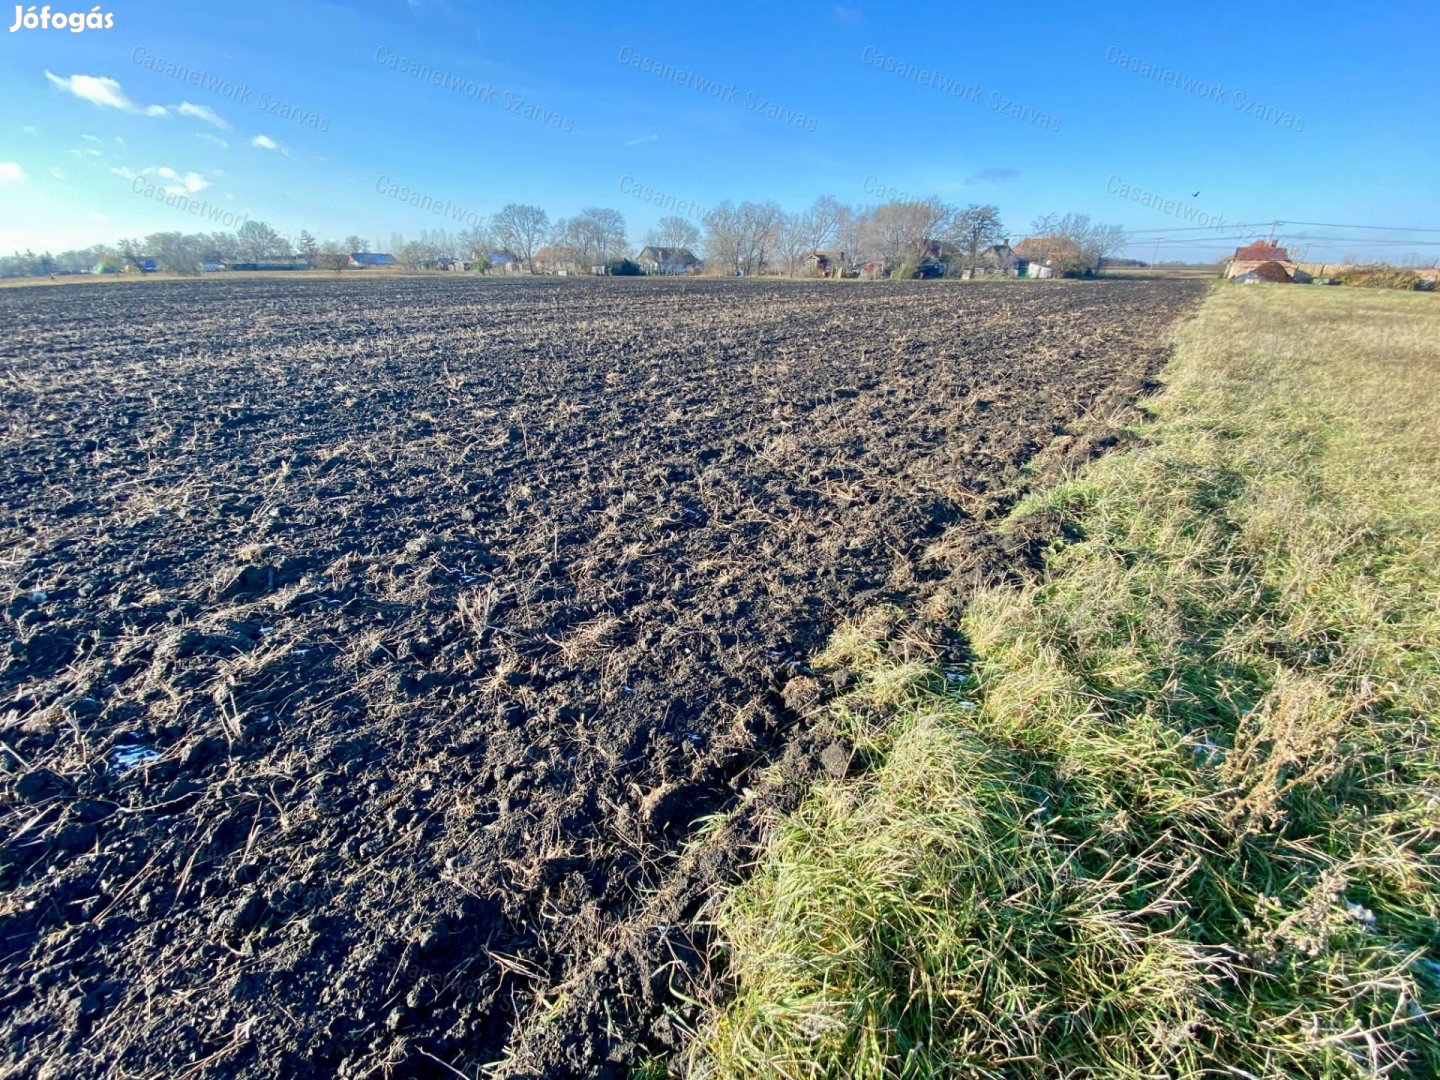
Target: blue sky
303,114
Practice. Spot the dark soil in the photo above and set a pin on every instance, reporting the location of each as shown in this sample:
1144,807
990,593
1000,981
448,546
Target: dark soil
370,648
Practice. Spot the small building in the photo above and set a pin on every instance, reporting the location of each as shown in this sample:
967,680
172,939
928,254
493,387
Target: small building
1056,254
874,270
506,262
272,264
371,260
1253,256
999,260
666,260
557,259
212,267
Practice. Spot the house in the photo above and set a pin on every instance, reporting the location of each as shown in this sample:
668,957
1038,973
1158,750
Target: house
874,270
1056,254
665,260
999,259
506,262
557,259
1252,256
370,260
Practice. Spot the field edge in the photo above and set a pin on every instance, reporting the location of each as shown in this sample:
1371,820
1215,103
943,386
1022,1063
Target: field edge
1169,811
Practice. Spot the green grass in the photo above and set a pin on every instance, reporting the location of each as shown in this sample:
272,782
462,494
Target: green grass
1180,816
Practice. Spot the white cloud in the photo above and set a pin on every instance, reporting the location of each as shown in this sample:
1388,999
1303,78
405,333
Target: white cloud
121,170
264,142
202,112
92,138
108,93
56,173
96,89
84,151
643,139
213,140
11,172
29,129
188,184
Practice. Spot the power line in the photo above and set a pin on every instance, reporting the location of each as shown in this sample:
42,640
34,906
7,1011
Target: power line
1278,222
1307,238
1331,225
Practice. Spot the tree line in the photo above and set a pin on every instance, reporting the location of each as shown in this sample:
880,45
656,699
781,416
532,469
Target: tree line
904,235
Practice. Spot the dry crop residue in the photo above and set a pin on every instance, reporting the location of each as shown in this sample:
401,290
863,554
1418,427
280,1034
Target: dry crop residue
370,646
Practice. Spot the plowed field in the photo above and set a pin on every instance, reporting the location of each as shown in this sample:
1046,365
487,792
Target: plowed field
369,648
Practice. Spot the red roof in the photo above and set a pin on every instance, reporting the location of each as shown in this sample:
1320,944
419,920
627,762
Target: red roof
1262,251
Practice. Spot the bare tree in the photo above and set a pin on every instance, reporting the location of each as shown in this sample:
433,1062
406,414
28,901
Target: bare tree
899,232
522,229
850,228
821,223
597,234
332,256
259,241
605,229
792,242
673,232
356,243
475,246
1080,242
175,252
975,228
740,237
722,238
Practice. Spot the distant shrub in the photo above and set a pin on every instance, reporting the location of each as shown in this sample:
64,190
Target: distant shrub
1380,277
624,268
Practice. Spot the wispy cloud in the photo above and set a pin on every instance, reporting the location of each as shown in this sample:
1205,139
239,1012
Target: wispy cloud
122,171
107,93
213,140
202,112
102,91
643,139
993,176
847,15
264,142
56,173
93,138
11,172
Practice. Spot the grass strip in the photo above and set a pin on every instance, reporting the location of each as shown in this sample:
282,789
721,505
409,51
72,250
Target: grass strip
1179,816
